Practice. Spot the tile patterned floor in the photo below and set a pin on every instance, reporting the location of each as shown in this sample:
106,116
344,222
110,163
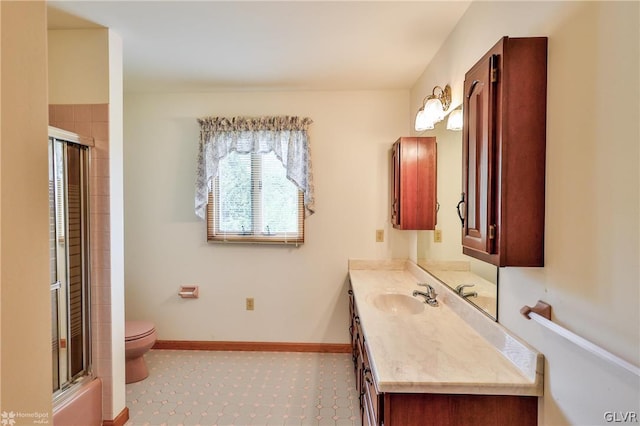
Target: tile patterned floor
244,388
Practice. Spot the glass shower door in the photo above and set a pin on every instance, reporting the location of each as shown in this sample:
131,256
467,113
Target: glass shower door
69,262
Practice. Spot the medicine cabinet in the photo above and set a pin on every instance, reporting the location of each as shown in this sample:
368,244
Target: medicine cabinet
413,189
504,136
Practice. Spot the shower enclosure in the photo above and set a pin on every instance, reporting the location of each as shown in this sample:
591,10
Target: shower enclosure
69,259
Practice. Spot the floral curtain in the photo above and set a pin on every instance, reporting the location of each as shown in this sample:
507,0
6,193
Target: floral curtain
284,135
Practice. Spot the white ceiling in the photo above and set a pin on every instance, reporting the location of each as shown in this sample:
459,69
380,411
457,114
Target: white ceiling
268,45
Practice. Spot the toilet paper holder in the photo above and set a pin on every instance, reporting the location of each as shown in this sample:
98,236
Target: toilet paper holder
189,291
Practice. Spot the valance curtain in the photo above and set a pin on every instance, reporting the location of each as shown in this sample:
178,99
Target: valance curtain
284,135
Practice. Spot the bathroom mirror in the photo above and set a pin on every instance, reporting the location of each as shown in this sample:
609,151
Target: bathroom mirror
439,252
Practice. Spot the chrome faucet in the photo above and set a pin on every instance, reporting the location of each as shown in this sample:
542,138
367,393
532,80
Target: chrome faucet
461,292
429,295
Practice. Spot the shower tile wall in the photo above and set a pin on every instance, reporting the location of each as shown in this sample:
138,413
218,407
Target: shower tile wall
92,120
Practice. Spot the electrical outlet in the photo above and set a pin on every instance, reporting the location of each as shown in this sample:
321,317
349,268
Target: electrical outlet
437,236
250,304
379,235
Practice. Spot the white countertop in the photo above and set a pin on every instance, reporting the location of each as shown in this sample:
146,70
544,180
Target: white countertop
452,348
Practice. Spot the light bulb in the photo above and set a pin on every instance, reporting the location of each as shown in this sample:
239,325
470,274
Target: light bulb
455,120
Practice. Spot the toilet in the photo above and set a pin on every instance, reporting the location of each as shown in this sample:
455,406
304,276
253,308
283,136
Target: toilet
139,338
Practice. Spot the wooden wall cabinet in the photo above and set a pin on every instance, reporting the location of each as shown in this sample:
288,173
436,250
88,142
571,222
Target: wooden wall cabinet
413,190
504,138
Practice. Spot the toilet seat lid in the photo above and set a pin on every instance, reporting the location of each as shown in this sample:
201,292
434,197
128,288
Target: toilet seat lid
137,329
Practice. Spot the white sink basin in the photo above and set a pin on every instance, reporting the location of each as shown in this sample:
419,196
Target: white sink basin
396,303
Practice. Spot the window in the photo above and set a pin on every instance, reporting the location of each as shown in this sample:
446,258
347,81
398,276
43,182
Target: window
254,180
253,201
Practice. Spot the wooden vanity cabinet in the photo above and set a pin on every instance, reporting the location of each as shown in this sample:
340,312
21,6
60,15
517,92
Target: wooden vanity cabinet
357,348
370,398
424,409
372,402
504,138
353,327
413,190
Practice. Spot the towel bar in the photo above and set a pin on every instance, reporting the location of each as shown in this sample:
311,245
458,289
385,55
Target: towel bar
541,313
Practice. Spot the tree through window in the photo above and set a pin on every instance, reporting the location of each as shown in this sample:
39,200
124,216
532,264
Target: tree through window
253,200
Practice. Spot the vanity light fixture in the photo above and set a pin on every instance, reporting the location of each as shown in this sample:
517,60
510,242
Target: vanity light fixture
454,122
433,108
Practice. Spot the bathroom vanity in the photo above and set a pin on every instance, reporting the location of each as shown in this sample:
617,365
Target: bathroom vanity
417,364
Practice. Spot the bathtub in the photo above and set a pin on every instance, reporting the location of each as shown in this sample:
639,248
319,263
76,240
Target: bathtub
81,407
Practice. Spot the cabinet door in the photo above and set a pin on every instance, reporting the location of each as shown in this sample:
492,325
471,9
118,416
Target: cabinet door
413,191
360,383
479,157
372,403
353,332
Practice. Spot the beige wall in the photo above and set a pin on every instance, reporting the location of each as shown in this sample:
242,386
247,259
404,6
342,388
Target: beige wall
299,292
79,66
25,371
592,265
